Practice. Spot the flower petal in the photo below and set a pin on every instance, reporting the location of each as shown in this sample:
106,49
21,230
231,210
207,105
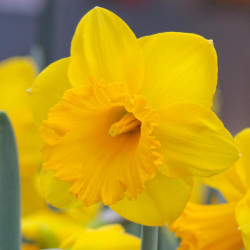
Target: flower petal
160,203
194,142
56,192
179,67
16,75
30,188
104,46
48,88
204,227
105,238
243,219
242,165
229,184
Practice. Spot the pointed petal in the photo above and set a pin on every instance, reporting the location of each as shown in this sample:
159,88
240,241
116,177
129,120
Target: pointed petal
194,142
48,88
160,203
234,182
179,67
104,46
242,165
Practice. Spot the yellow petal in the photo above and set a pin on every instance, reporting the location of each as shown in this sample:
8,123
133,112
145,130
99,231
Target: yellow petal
30,188
206,227
159,204
242,166
179,67
16,74
199,189
233,183
229,184
243,219
57,192
48,88
193,141
103,45
106,238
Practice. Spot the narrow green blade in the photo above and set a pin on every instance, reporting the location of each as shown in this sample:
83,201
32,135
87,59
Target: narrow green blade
149,238
10,233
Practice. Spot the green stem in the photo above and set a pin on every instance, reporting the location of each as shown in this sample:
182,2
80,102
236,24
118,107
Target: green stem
149,238
10,211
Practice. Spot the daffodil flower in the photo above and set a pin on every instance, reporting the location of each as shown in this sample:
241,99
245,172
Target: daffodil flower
127,121
221,226
16,75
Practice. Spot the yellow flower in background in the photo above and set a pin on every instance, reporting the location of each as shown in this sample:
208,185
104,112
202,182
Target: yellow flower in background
110,237
206,227
16,74
224,226
48,228
127,121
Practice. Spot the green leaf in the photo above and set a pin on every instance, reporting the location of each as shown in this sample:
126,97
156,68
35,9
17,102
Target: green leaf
149,238
10,233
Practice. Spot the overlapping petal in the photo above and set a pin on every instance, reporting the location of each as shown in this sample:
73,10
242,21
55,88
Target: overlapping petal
234,182
243,219
103,45
229,183
193,141
57,192
48,88
179,67
159,204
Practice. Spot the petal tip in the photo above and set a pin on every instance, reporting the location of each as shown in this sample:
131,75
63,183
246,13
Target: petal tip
211,41
29,91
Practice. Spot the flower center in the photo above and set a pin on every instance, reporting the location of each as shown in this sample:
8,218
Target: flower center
99,138
126,124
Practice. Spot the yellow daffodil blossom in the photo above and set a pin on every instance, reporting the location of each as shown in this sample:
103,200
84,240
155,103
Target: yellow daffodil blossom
16,74
110,237
48,228
222,226
127,121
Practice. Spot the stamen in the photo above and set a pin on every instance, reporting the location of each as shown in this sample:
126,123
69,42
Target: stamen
127,123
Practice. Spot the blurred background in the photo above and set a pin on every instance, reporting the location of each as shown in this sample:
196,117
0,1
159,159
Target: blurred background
27,24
